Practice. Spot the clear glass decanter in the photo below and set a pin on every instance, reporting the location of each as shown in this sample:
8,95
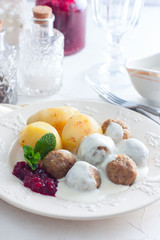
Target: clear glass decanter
8,93
41,52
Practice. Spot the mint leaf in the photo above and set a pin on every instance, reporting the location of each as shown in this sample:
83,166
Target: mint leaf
31,158
45,144
36,158
28,151
33,166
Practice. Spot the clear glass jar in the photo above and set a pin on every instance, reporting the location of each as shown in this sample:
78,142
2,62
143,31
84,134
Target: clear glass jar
70,19
8,92
12,13
40,64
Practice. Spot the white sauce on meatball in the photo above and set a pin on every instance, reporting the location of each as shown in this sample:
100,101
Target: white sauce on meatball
110,158
115,131
89,152
134,149
80,177
73,188
106,189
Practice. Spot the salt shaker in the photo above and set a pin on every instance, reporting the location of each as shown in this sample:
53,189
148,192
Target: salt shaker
41,52
8,93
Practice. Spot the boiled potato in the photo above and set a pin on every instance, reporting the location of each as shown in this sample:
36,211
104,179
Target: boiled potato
34,131
56,117
76,128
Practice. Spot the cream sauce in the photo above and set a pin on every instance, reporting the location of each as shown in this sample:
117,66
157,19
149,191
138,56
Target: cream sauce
115,131
80,177
106,188
88,148
131,147
134,149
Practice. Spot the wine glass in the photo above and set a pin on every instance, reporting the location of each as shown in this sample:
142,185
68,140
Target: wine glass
116,17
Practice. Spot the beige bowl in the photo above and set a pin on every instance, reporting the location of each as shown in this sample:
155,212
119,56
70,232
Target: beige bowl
145,76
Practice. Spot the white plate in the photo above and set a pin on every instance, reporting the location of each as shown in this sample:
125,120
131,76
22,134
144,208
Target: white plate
137,196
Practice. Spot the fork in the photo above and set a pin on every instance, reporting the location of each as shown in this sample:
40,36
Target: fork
110,97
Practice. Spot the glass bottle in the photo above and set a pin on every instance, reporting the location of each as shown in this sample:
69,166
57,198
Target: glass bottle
8,93
70,19
41,51
12,13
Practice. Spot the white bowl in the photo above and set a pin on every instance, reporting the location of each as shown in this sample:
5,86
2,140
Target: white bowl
145,76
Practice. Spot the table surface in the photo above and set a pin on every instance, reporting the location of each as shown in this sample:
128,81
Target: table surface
140,225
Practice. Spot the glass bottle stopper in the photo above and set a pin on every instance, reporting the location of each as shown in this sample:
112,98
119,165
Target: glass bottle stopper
42,12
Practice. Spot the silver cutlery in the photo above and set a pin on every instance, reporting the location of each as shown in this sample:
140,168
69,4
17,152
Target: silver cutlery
147,115
110,97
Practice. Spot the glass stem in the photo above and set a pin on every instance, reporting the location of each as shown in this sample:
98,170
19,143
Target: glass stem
113,53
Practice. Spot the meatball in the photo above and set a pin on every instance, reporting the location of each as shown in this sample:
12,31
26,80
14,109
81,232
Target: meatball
122,170
96,175
116,129
83,176
135,149
58,162
95,148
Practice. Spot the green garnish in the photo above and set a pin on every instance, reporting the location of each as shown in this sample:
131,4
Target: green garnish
31,158
43,146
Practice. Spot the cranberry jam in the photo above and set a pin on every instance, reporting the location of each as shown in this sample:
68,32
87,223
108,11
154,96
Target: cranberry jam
39,180
70,19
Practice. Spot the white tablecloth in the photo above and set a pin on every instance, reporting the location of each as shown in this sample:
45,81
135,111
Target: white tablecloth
140,225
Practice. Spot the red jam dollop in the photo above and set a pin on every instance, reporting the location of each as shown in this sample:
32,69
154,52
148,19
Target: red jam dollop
39,180
70,19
